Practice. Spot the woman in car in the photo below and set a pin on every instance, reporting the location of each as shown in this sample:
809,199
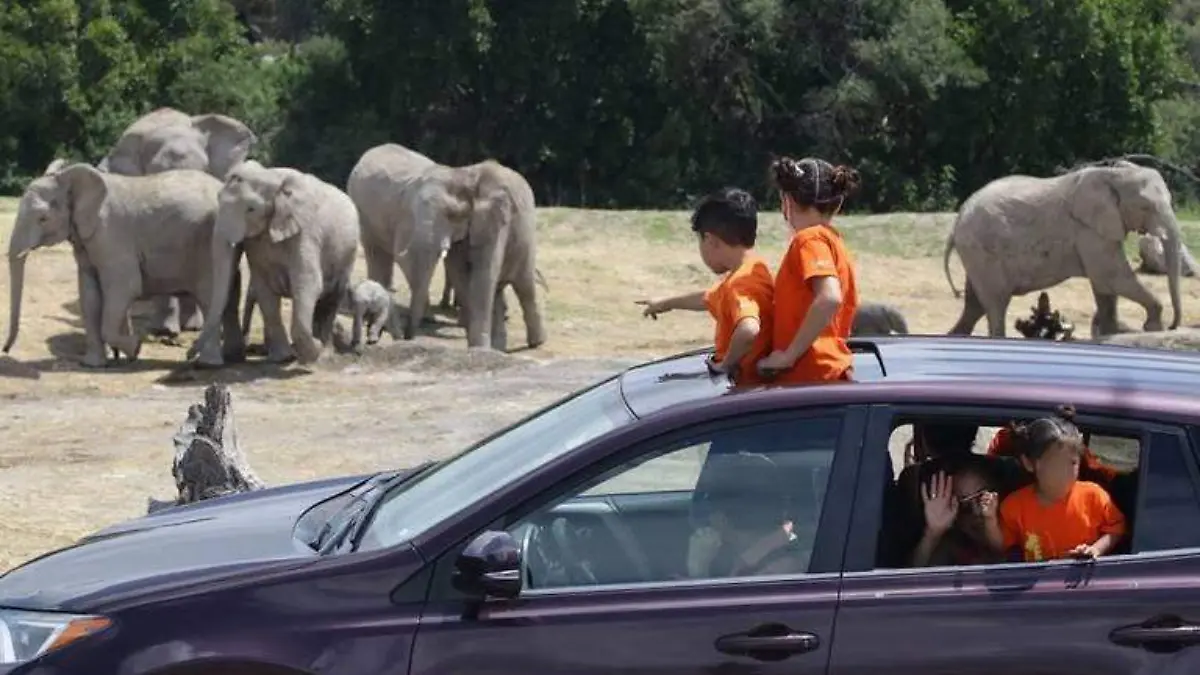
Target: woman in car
746,531
957,504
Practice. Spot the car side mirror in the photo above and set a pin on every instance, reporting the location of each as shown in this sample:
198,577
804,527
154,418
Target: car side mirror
489,566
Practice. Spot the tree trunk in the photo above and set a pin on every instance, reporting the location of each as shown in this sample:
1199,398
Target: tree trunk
208,462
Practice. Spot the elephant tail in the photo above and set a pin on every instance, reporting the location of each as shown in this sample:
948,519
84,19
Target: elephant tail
946,262
541,279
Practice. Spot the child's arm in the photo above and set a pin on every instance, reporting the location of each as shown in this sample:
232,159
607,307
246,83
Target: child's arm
744,334
827,298
689,301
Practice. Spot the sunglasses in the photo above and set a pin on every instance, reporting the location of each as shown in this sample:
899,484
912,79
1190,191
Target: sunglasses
974,496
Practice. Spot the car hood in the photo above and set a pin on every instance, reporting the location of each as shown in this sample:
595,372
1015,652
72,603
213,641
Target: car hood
177,546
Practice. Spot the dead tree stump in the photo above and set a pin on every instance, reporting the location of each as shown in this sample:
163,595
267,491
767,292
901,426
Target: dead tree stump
208,461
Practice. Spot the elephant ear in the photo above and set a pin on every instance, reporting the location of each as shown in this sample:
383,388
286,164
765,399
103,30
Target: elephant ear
229,141
1095,202
293,209
55,166
84,189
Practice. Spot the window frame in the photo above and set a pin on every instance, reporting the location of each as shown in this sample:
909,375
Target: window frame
832,528
866,522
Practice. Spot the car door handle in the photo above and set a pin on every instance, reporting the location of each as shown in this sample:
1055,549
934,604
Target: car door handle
768,643
1156,636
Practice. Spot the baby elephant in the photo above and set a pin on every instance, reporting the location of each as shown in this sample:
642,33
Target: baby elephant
877,318
372,303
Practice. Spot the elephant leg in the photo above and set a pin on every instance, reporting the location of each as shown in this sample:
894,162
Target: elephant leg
114,320
972,312
165,320
419,273
1110,273
90,307
381,266
526,290
499,324
1105,321
997,312
190,317
325,314
274,334
304,305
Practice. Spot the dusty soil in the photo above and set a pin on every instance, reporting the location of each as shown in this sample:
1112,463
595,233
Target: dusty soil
80,449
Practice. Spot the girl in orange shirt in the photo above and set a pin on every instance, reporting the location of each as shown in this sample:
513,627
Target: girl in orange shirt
1058,516
816,294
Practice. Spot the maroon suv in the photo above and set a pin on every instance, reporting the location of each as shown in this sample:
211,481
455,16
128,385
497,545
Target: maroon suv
658,523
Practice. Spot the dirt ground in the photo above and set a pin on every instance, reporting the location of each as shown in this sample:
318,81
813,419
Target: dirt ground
80,449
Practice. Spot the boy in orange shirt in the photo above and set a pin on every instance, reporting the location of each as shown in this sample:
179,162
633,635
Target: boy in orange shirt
1058,516
726,224
816,293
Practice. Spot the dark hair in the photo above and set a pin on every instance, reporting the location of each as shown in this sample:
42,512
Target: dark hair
729,214
814,182
1034,438
750,490
948,439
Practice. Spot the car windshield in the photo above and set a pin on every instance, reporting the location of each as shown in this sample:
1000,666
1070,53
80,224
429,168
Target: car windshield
443,491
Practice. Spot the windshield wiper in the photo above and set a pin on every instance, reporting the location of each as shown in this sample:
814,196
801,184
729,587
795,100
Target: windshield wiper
334,531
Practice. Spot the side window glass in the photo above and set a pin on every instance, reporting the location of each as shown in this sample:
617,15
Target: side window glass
1170,513
736,502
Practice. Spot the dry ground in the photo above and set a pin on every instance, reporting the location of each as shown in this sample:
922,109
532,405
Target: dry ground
80,449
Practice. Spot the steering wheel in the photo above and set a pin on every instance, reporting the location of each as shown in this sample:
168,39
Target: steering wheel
578,570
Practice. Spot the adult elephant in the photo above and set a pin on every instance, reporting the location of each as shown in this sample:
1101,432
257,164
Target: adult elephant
300,236
1021,234
413,209
166,139
132,236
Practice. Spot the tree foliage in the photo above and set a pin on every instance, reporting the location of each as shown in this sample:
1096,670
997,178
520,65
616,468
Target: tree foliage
633,103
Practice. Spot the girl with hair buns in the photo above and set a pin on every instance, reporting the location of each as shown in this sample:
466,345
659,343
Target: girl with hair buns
1058,516
816,294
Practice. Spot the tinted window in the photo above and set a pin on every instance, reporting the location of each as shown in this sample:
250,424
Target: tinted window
1170,514
743,501
471,475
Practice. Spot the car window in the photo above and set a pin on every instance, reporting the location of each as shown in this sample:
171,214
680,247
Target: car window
460,481
1112,460
1170,512
735,502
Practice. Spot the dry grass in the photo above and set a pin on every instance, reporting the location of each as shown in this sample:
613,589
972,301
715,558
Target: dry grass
80,449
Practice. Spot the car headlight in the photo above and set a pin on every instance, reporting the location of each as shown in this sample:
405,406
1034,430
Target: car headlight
24,635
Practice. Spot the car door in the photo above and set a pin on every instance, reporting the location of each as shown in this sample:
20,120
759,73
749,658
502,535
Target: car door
639,611
1118,615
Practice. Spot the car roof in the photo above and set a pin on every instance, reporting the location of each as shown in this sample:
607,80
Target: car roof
955,364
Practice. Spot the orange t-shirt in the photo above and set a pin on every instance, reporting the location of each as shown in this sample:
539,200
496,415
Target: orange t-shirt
743,293
816,251
1002,446
1049,532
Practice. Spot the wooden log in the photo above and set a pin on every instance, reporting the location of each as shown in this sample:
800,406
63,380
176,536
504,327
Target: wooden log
208,460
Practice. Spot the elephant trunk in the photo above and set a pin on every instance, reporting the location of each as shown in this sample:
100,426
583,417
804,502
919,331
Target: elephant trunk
1172,256
16,274
25,237
225,258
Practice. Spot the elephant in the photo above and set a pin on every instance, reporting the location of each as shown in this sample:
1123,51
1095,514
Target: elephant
877,318
1150,250
166,139
300,237
413,209
133,237
372,304
1019,234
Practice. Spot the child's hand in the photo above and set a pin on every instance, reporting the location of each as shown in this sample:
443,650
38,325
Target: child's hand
941,508
1085,551
653,308
989,505
776,362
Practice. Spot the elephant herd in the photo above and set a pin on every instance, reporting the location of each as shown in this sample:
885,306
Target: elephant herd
168,214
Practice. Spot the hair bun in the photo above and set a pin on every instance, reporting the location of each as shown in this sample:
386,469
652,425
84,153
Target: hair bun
845,180
1066,411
